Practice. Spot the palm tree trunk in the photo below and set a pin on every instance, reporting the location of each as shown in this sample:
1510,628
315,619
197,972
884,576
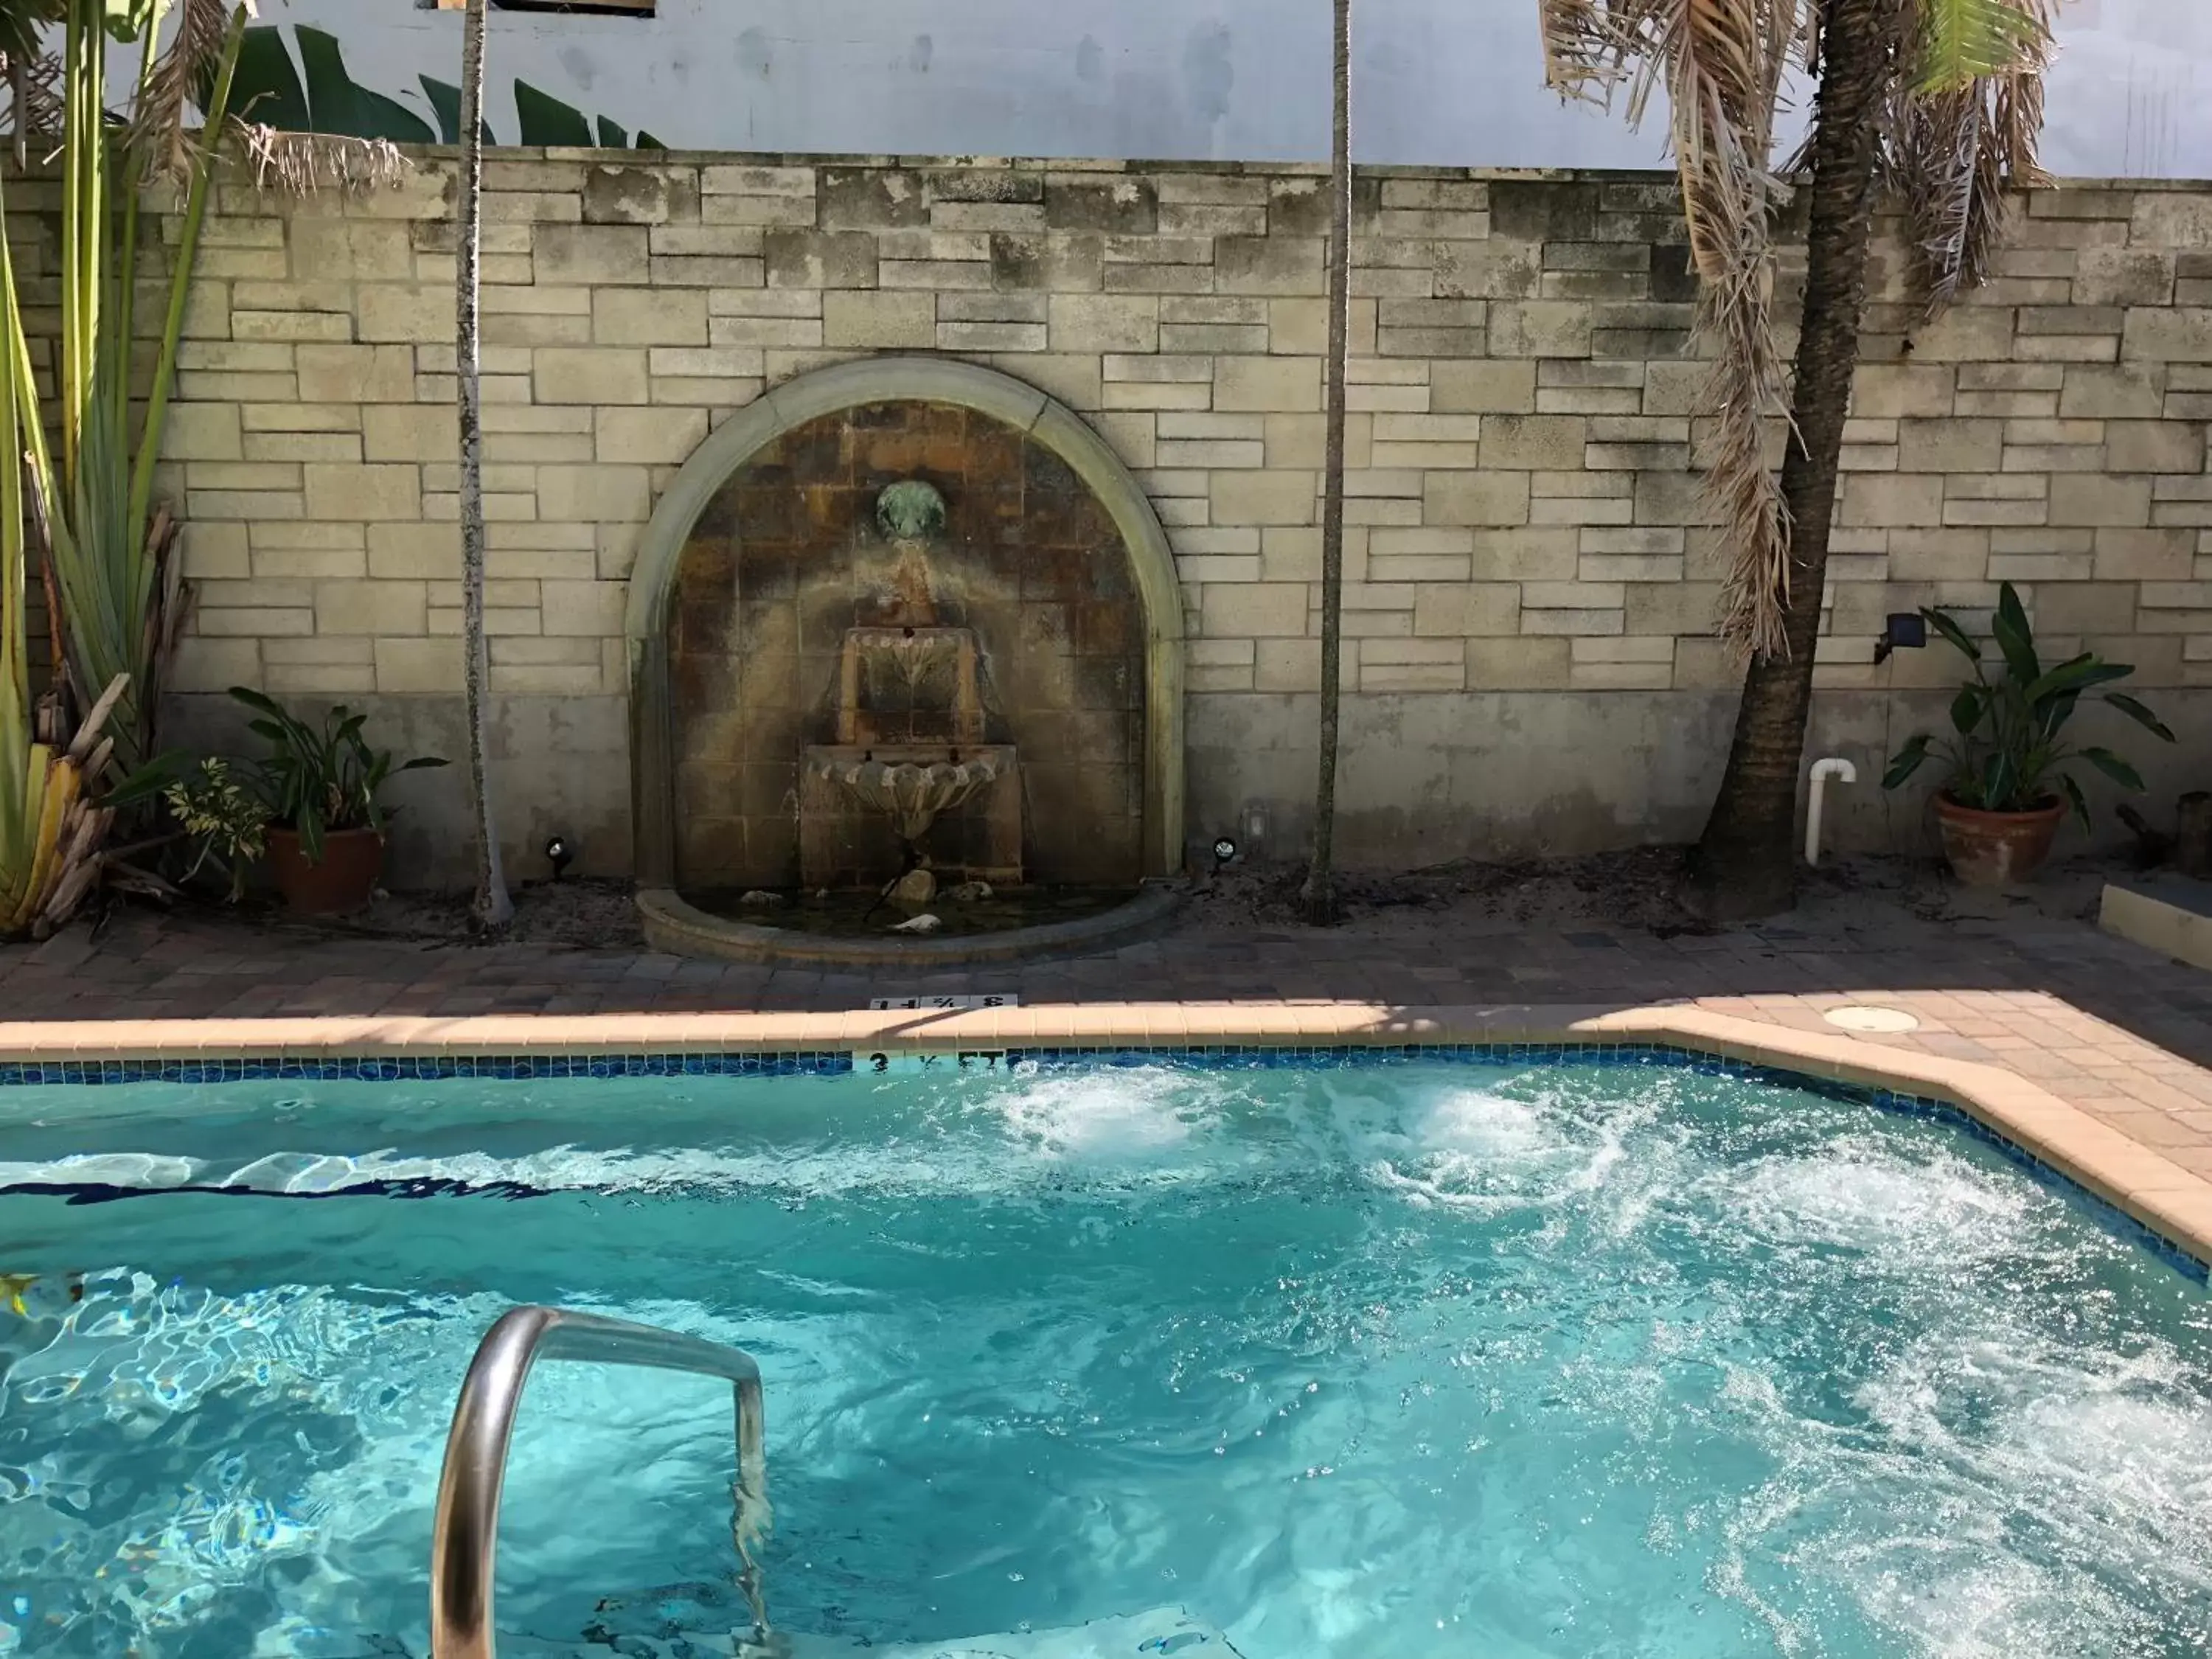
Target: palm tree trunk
493,907
1745,865
1319,895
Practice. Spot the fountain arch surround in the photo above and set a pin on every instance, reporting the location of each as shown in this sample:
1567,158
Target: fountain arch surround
653,582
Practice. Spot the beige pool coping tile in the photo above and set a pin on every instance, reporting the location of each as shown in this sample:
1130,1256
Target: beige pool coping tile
2137,1177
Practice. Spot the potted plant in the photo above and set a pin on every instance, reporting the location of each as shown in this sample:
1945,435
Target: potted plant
326,825
2009,785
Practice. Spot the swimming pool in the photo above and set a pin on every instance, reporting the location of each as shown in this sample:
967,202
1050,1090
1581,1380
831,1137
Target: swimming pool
1423,1359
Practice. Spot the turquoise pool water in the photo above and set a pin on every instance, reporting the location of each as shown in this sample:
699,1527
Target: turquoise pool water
1418,1361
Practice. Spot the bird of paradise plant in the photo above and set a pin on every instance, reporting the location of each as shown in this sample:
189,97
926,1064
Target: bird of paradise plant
84,502
1941,100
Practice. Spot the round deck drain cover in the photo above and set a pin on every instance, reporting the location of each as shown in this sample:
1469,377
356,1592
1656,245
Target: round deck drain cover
1869,1017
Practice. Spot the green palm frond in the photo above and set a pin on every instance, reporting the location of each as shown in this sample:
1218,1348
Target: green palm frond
1963,41
1963,130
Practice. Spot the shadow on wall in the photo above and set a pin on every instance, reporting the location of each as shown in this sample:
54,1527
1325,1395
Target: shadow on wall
1432,777
559,765
319,96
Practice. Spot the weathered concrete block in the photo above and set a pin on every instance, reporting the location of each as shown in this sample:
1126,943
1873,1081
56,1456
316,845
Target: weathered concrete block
654,437
1897,498
1263,497
1532,442
595,494
648,316
575,608
2125,391
1484,387
1883,390
1951,446
203,432
1103,322
1466,609
820,259
369,607
589,375
1261,385
639,195
2089,499
2180,335
1291,664
2171,219
367,492
2154,446
409,432
879,319
1126,204
873,199
1540,328
344,250
1273,264
1481,498
1254,610
417,666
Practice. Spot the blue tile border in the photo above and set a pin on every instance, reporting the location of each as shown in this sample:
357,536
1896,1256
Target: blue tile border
424,1068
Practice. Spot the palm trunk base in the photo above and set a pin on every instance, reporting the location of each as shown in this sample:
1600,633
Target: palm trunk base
1725,886
1317,899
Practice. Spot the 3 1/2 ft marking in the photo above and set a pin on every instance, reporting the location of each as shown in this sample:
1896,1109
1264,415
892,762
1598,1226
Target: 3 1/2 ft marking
949,1004
884,1062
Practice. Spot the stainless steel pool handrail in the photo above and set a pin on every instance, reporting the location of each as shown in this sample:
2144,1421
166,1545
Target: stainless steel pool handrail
464,1541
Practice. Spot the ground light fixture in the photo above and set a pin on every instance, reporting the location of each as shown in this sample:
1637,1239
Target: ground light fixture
1225,852
560,853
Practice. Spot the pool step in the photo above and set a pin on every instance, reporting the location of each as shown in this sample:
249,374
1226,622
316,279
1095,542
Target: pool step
1162,1633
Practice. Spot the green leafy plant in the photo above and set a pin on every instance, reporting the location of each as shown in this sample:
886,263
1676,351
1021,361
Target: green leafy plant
321,780
223,816
2006,752
320,95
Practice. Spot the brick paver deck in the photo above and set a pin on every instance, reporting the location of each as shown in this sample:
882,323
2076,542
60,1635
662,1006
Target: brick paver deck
2122,1033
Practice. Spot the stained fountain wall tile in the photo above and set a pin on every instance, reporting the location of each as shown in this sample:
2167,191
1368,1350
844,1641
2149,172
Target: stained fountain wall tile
1522,519
786,558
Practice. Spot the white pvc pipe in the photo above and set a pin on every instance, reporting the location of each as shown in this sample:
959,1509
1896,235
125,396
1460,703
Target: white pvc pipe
1834,766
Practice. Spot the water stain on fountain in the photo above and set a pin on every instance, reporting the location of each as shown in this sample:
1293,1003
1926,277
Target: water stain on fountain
905,643
937,761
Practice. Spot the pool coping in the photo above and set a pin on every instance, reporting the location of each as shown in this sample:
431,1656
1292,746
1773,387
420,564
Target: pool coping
2135,1179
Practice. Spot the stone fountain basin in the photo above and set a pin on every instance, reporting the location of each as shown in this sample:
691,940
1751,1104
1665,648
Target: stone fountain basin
846,788
673,924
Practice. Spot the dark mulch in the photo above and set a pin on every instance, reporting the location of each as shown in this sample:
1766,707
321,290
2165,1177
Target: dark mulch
1635,889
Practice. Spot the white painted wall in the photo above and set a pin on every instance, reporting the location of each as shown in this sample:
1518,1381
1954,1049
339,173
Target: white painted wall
1456,82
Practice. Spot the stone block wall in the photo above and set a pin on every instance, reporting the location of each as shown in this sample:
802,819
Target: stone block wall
1530,594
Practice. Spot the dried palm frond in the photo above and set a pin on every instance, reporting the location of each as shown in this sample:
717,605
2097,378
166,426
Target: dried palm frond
300,163
1962,130
173,82
1721,63
34,93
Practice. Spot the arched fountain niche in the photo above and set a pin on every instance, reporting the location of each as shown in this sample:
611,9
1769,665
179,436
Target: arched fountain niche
904,615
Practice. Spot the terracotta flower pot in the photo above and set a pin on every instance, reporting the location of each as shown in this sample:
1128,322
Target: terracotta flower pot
344,879
1995,849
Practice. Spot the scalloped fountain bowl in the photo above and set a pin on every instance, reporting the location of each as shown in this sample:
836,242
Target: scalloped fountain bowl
911,793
